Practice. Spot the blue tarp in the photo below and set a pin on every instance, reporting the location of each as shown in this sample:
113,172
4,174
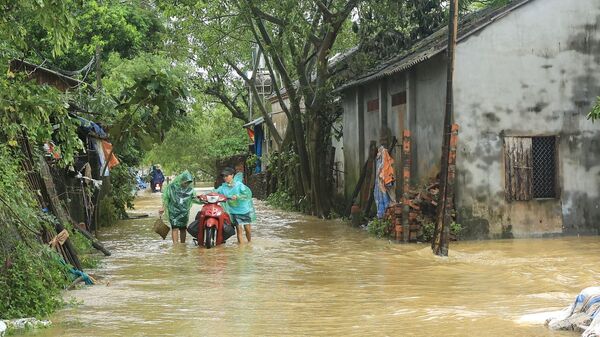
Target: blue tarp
90,126
258,143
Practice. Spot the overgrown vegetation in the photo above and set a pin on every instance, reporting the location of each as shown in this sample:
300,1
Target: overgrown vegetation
31,276
208,134
428,229
119,198
284,171
379,227
31,281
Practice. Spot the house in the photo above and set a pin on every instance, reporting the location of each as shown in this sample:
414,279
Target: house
526,75
75,187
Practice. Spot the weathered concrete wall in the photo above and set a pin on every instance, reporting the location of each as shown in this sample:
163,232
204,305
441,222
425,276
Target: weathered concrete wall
395,85
372,119
430,92
535,71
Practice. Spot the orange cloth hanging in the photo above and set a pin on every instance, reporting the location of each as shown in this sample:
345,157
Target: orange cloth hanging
387,171
107,148
250,134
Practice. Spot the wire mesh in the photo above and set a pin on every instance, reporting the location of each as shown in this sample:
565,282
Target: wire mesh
544,167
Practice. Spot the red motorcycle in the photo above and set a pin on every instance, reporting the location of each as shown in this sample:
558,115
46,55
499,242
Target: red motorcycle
212,223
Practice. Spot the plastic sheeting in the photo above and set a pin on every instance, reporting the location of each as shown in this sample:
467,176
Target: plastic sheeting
582,315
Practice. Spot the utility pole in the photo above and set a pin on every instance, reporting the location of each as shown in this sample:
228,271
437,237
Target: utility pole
439,244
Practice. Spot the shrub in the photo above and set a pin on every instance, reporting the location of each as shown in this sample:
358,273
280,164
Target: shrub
379,227
428,229
283,200
31,281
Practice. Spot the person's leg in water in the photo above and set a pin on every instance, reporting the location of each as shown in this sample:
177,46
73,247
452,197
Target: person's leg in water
182,233
175,235
238,233
247,229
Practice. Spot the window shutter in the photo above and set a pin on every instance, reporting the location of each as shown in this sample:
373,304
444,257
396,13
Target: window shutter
518,168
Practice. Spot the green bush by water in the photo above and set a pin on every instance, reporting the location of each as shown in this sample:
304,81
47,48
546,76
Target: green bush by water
31,281
428,229
379,227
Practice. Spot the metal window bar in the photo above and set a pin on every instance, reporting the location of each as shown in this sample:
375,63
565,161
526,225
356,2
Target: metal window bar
544,167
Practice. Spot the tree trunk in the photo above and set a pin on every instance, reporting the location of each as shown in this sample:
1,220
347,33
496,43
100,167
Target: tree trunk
318,148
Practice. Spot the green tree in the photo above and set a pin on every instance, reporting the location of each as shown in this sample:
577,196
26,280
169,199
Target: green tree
208,134
127,28
297,39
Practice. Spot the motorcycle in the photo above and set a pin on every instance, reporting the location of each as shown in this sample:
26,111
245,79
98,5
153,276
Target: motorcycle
212,225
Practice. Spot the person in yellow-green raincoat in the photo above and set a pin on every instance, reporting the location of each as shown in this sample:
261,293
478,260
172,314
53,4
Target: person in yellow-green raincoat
178,197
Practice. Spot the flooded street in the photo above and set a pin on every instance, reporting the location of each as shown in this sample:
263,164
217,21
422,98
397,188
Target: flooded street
307,277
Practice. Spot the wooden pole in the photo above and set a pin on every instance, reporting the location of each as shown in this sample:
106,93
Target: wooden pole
406,163
98,68
439,244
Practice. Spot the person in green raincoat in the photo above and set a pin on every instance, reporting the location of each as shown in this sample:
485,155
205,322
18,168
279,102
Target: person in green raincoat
178,197
240,206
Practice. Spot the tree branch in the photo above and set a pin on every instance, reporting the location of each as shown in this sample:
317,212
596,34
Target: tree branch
326,12
268,119
268,17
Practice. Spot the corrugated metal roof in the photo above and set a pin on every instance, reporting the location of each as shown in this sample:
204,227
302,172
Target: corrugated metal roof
17,65
257,121
433,44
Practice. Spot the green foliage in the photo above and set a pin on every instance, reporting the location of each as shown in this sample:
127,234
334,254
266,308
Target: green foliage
52,18
209,134
31,282
428,229
83,246
284,201
123,183
284,167
455,228
474,5
595,113
384,27
30,275
32,109
108,212
120,196
124,27
379,227
251,162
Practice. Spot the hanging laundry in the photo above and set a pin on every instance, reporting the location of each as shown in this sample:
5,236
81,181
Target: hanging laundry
109,154
101,159
384,187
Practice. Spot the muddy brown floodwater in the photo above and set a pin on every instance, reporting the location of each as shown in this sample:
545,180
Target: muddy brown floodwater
307,277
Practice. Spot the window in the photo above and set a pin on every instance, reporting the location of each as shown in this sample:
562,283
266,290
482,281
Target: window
399,98
543,155
373,105
530,168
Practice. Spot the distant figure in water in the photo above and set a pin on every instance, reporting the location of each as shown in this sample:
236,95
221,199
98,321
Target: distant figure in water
158,178
178,197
